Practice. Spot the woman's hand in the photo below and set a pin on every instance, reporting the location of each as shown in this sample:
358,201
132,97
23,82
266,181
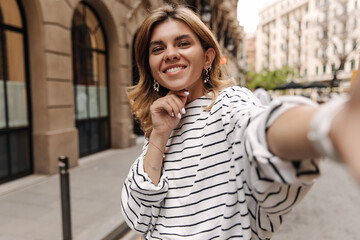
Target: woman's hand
165,115
345,131
166,112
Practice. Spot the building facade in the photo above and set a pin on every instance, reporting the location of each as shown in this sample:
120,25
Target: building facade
319,38
65,65
250,52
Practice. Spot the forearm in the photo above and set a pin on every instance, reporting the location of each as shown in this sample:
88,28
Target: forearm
287,136
153,160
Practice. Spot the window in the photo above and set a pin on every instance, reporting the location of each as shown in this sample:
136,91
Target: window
352,64
354,45
317,70
15,131
90,81
324,68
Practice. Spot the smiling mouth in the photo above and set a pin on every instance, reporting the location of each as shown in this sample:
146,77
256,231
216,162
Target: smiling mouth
174,69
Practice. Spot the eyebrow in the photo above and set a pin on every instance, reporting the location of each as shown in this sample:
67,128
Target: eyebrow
178,38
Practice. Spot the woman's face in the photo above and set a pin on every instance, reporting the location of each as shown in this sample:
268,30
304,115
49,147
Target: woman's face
177,58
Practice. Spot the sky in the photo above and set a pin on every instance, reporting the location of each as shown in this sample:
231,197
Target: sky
248,13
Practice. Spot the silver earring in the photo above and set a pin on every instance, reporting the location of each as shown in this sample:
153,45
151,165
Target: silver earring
206,74
156,86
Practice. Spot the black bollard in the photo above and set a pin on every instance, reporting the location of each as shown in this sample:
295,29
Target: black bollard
65,197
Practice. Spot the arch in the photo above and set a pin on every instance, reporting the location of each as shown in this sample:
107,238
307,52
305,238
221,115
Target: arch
90,80
15,110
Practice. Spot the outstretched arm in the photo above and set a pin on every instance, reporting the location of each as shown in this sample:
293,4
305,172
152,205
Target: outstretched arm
288,135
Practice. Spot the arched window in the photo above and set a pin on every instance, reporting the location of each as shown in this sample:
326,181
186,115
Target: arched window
90,81
15,150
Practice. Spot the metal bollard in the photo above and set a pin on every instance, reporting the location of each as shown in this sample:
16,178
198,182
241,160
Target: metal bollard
65,197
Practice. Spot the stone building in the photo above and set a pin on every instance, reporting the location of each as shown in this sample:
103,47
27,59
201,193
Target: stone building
65,65
319,38
250,52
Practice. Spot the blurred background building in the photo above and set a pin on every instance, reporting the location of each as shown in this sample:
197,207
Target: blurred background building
64,68
318,38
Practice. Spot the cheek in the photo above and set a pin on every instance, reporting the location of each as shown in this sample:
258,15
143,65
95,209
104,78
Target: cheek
154,63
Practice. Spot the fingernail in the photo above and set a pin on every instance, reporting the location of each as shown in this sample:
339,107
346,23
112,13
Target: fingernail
172,114
183,110
179,115
186,92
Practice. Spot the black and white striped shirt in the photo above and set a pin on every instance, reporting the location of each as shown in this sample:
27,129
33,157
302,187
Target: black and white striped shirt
219,180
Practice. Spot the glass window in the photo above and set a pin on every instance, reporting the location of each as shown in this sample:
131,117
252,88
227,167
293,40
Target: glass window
15,134
16,84
90,81
352,64
2,105
10,13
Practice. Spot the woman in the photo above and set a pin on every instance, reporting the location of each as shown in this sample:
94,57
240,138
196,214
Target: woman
217,164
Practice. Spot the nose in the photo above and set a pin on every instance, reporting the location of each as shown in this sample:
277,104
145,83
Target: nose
171,54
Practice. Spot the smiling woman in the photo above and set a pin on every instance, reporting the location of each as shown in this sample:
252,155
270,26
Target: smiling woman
216,163
161,45
177,61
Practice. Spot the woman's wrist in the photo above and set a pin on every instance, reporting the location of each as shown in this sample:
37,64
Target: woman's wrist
320,127
159,139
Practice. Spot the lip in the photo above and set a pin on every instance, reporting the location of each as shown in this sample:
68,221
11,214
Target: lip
174,69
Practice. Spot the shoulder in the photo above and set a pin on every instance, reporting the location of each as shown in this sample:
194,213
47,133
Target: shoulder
235,92
233,98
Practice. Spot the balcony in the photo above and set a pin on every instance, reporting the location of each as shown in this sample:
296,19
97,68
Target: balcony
324,24
285,48
266,29
286,23
285,35
298,32
343,17
343,35
323,41
324,7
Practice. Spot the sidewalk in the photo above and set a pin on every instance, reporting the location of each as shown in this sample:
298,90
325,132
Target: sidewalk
30,208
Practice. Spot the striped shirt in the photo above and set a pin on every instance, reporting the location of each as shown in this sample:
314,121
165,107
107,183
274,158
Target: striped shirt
219,180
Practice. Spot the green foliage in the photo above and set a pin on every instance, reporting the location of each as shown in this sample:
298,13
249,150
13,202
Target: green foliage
269,79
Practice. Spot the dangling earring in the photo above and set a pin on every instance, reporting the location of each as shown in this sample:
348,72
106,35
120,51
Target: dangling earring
206,74
156,86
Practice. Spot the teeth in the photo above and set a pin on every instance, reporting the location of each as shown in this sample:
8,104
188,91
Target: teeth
174,69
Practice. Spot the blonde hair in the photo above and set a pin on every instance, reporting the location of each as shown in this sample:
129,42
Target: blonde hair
143,95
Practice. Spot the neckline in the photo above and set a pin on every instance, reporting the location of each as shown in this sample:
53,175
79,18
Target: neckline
205,100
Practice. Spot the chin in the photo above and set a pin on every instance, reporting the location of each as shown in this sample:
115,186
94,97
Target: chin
174,88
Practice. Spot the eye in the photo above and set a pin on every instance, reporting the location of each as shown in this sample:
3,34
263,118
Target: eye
156,49
184,44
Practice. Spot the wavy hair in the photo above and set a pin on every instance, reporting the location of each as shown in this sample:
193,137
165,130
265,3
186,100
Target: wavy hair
142,95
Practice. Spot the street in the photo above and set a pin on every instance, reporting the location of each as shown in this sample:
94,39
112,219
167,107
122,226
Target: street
330,211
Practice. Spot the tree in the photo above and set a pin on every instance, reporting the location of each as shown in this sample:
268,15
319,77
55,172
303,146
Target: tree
339,37
269,79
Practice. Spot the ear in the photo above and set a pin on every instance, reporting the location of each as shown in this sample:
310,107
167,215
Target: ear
209,57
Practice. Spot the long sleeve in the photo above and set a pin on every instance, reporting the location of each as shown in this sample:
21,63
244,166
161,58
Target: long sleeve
219,178
140,198
274,185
